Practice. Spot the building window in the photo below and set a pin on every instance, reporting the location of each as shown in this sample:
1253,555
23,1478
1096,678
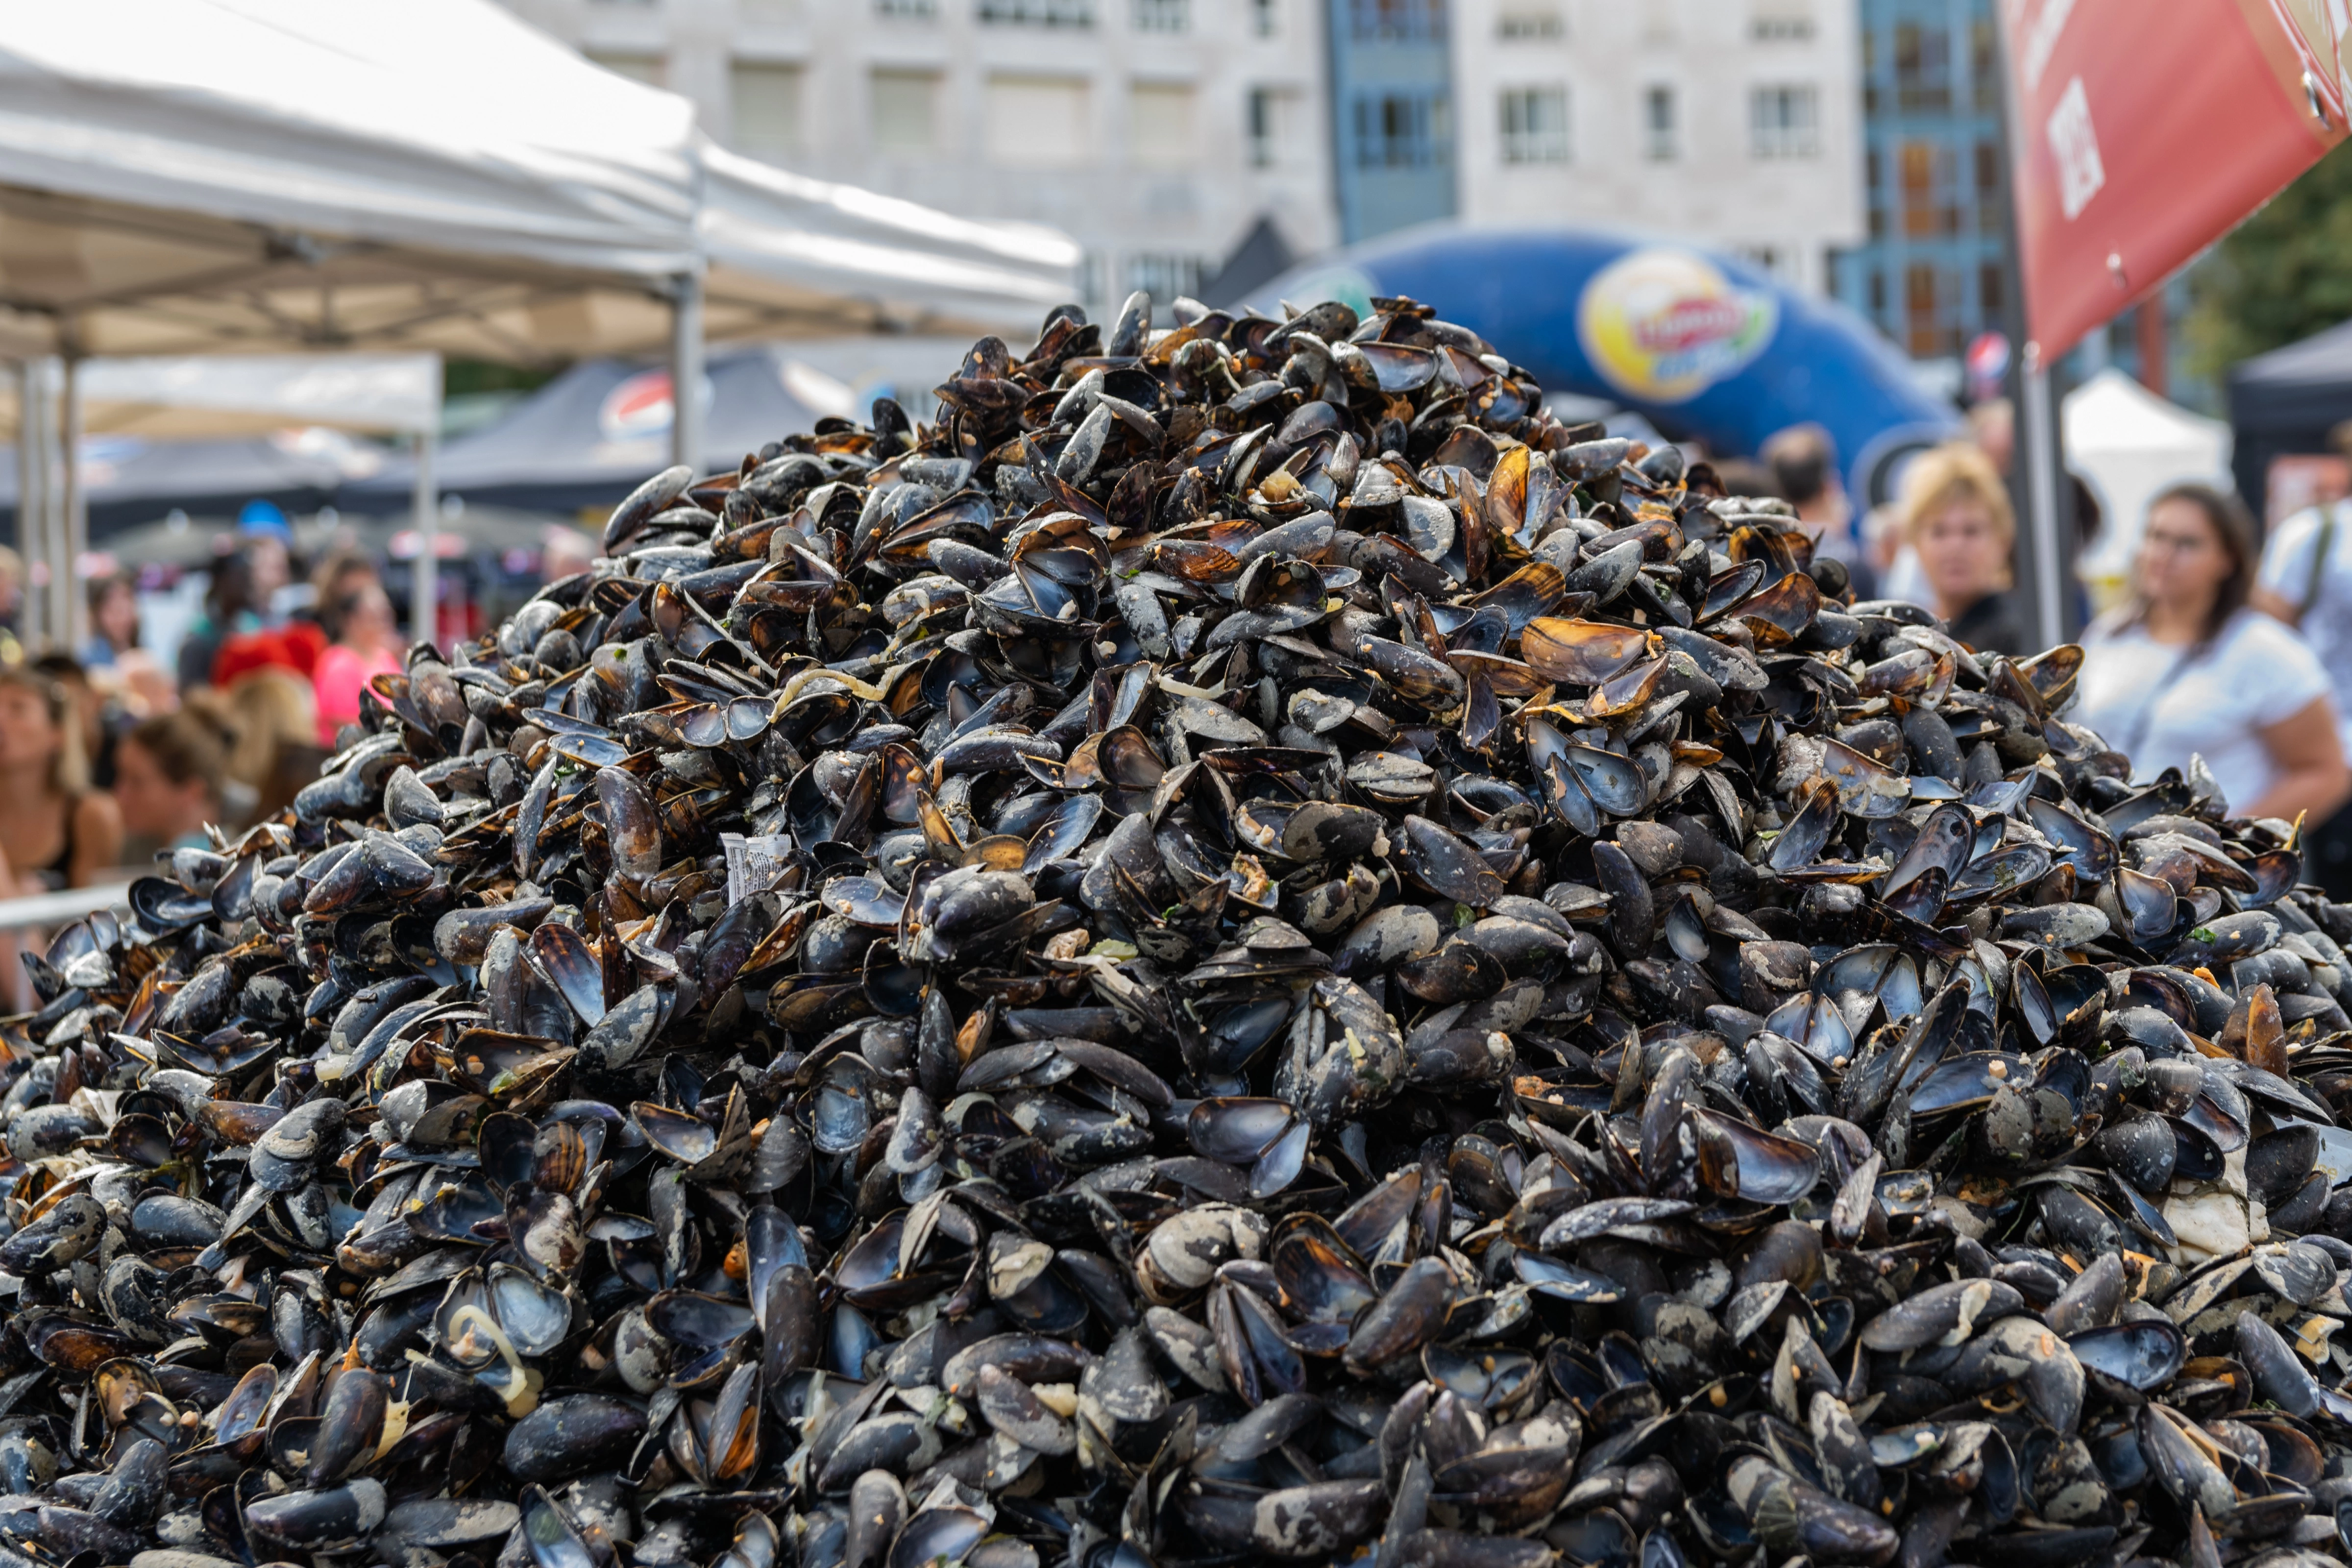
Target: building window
1784,122
1660,143
766,103
651,69
1530,27
920,10
1162,15
1928,301
1038,121
1039,13
904,107
1403,130
1159,124
1930,200
1992,292
1917,161
1165,275
1990,217
1878,295
1265,17
1984,66
1535,125
1923,68
1396,21
1781,28
1273,112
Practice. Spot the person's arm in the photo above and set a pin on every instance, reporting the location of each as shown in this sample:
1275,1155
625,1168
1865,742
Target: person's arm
2276,606
96,836
2309,760
2283,576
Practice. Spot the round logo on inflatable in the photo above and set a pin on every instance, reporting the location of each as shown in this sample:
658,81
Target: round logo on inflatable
1664,325
639,406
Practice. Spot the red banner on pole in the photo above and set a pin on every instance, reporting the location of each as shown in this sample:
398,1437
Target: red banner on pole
2140,134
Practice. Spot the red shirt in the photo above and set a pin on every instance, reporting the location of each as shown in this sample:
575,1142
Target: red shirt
336,682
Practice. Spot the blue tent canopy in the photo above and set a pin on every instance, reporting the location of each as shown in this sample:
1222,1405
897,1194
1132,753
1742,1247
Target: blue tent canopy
1705,346
594,433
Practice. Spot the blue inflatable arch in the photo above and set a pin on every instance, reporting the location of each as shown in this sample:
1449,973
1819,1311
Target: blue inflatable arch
1705,346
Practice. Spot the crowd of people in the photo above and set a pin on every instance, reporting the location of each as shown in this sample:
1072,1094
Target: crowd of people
2224,647
109,754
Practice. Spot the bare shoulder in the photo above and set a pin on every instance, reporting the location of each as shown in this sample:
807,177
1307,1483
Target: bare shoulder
98,821
98,831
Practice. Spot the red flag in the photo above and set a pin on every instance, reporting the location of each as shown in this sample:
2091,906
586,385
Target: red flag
2142,133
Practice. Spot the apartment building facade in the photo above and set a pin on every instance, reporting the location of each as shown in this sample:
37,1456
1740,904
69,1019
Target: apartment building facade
1729,124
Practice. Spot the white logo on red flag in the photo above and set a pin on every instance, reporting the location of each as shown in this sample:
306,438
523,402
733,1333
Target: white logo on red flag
2076,147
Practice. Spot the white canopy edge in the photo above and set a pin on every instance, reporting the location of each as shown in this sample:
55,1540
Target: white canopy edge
444,124
198,397
772,237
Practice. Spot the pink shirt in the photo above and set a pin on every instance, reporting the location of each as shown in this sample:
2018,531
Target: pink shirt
336,682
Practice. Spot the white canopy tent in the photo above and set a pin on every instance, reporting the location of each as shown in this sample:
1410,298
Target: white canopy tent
182,177
2128,444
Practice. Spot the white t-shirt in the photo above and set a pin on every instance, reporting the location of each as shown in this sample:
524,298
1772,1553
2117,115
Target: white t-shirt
2256,673
2327,609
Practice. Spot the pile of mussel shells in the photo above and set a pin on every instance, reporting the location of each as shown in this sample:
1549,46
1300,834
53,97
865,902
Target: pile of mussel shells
1247,948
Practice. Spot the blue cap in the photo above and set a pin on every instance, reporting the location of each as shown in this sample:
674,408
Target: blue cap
265,517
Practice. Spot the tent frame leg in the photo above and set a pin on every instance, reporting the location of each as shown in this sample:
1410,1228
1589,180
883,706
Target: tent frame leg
685,360
32,500
425,578
2050,553
73,517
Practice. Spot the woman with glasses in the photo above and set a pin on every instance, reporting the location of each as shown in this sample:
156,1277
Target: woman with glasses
2185,668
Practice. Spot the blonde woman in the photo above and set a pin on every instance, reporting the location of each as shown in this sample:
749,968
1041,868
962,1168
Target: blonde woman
270,711
1954,514
55,830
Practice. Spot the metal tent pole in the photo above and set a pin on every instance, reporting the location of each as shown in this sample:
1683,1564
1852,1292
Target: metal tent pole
685,372
73,607
53,539
2049,554
40,403
32,504
426,580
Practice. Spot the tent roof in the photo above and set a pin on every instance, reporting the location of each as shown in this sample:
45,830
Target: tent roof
179,176
194,173
2304,388
192,542
793,255
2112,412
594,433
126,480
2321,358
2128,444
206,396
